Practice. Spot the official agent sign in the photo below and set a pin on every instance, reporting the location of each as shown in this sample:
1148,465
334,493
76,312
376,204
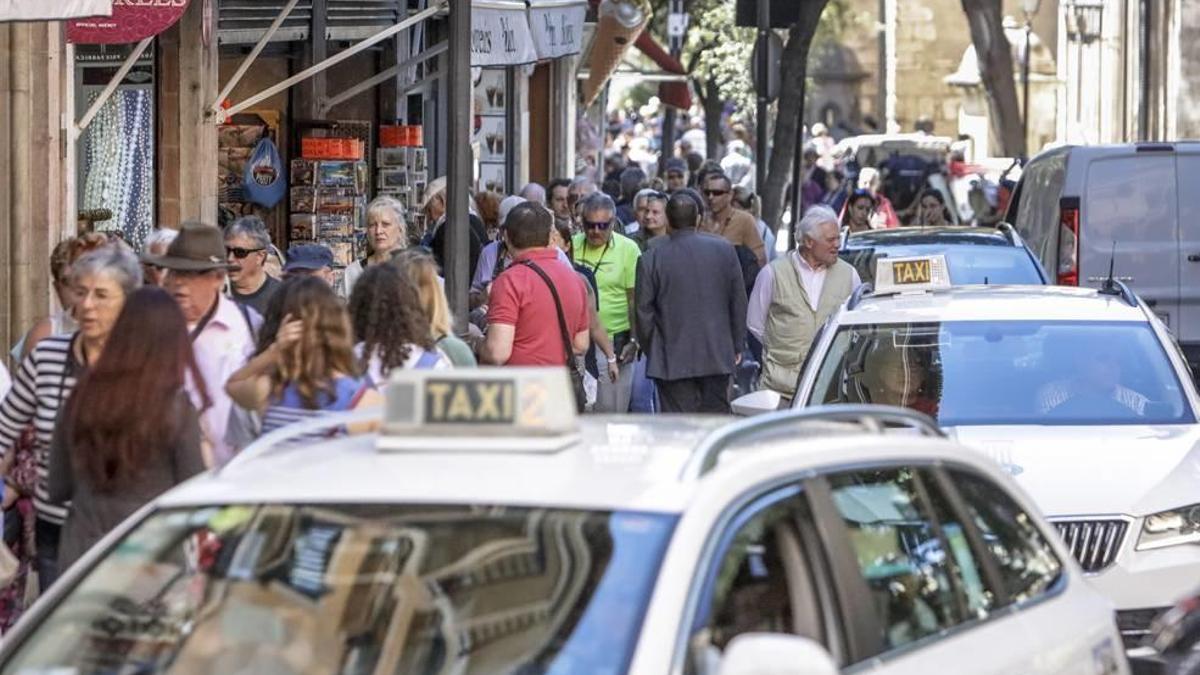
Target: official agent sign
557,27
500,35
131,21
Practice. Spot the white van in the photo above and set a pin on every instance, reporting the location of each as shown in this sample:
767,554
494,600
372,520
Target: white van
1075,205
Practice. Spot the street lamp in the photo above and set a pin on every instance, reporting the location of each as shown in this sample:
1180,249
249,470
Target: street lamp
1030,8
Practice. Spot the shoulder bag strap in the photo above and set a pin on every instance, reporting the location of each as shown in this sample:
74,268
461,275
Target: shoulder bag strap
562,320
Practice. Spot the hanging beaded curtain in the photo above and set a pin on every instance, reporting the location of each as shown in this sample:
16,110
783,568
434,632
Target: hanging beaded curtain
119,164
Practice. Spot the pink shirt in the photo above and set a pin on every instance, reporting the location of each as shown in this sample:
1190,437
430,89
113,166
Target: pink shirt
224,346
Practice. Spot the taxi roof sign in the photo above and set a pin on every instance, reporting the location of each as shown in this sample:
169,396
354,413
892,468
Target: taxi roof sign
479,409
916,273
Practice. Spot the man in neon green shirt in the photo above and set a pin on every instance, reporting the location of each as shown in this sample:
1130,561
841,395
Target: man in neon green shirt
612,257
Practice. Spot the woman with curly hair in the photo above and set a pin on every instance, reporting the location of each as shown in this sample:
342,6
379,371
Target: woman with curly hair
390,324
310,369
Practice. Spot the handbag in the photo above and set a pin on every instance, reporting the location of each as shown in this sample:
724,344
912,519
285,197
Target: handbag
573,365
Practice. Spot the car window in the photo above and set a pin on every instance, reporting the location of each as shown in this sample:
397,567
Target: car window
1037,208
762,581
968,264
1036,372
1027,564
901,552
359,588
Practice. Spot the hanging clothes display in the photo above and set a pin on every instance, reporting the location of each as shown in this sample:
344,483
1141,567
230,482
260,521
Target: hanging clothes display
119,164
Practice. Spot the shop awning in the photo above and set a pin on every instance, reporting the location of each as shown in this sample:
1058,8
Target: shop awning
676,94
45,10
557,27
500,34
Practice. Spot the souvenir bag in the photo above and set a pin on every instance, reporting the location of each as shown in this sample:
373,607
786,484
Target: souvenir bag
265,180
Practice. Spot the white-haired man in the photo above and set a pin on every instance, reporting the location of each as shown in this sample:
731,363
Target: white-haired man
794,295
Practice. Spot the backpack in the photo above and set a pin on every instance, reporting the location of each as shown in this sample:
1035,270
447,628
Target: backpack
265,180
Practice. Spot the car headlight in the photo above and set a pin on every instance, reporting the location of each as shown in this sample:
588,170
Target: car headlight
1171,528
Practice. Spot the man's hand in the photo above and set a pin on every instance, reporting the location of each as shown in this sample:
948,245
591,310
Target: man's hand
614,370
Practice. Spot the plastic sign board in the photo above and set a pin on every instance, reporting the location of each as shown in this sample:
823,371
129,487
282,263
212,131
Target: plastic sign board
131,21
920,273
557,27
479,410
500,35
53,10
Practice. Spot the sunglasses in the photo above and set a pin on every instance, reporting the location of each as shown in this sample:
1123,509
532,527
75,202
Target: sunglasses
598,225
239,252
715,193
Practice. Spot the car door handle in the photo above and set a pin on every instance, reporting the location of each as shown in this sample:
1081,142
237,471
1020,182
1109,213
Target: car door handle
1194,257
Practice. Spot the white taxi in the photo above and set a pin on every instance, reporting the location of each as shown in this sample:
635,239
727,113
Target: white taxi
486,529
1081,394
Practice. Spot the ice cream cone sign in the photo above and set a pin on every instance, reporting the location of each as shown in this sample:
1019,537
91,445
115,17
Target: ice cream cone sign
620,23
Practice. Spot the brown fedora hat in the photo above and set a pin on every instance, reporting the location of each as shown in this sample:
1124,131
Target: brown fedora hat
198,248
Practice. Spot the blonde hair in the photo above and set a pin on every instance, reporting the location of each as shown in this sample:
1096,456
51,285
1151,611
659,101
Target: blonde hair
421,270
386,203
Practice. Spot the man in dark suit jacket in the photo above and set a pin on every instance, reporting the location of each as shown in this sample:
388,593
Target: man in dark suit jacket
691,311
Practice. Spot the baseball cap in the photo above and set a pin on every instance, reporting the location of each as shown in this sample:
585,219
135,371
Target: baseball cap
676,164
308,257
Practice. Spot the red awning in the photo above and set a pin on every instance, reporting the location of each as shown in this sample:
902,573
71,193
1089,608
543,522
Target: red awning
677,94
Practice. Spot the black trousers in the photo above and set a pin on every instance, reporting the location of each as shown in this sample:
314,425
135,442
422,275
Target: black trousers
694,395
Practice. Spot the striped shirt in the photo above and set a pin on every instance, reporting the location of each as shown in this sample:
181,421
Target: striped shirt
41,387
290,409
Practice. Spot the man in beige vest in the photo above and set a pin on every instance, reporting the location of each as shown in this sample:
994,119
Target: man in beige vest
794,295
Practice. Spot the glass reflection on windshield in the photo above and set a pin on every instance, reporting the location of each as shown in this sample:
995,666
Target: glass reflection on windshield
360,589
1012,372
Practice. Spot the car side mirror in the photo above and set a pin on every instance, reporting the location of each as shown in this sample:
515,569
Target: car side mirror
759,402
776,654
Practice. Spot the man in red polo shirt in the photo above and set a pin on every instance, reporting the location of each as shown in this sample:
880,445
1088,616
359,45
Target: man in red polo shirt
523,320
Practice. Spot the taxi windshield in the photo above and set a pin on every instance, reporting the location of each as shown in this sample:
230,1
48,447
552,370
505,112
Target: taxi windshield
968,264
359,589
1010,372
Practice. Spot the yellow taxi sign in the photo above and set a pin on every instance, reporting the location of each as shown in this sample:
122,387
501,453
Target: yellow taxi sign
512,409
916,273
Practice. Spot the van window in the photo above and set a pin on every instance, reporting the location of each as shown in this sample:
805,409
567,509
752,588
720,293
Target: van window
1037,208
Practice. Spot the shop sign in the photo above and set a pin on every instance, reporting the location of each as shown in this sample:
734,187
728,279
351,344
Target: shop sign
52,10
131,21
557,27
500,35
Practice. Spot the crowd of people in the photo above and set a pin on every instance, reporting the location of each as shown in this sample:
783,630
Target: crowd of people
657,293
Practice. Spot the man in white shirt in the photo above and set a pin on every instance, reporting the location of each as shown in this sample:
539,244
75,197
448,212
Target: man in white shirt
794,295
223,332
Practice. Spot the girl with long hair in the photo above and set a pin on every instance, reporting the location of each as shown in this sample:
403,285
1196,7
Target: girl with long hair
310,369
422,271
129,430
390,324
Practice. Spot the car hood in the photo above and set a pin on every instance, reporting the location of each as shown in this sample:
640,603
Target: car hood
1079,470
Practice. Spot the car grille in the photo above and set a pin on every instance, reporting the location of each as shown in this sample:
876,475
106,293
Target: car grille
1094,543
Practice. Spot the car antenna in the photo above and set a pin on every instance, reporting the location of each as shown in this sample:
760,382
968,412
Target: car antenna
1109,287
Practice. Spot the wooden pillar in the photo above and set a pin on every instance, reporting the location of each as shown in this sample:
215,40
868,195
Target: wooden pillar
187,177
32,182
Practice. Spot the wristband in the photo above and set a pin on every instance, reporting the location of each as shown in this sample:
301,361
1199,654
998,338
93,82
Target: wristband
611,359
